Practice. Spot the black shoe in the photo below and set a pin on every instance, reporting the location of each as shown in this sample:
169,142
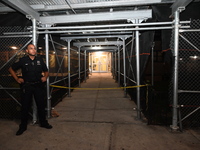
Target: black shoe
20,131
47,126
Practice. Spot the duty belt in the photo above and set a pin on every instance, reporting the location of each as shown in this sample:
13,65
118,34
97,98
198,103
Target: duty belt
33,82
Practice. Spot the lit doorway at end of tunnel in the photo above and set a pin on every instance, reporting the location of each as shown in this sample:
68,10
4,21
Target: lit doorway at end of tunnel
100,61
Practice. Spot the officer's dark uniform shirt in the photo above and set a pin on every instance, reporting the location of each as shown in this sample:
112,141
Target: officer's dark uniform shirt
31,69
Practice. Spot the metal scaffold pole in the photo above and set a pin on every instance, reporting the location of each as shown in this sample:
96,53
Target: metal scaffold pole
34,34
119,66
138,71
124,65
48,88
174,125
112,64
115,73
79,66
152,64
85,62
69,65
90,63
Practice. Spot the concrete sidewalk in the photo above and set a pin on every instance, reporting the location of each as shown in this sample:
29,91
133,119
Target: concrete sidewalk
96,120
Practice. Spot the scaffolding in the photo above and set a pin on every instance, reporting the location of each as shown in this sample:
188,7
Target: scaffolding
80,53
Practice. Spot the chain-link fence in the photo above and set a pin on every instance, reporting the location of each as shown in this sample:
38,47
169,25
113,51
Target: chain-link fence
189,77
145,45
13,48
58,68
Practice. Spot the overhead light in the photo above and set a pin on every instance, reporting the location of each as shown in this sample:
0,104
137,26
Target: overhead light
39,47
64,48
13,47
194,57
96,47
90,11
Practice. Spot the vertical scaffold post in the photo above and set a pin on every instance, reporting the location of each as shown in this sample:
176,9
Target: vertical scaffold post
90,64
79,66
85,62
138,70
119,73
174,125
124,65
112,64
34,35
152,64
115,66
69,65
47,63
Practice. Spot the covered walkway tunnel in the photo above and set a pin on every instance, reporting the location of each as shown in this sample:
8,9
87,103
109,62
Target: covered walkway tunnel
150,48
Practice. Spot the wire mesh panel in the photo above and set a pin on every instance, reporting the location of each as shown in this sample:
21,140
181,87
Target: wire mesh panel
58,67
12,49
189,77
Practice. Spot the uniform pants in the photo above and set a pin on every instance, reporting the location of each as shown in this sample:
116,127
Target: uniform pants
28,91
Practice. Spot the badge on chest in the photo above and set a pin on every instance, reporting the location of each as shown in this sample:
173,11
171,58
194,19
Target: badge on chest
38,63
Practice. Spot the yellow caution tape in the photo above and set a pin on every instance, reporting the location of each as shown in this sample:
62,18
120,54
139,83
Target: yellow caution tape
128,87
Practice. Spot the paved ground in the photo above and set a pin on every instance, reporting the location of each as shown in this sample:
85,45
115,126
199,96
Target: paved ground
96,120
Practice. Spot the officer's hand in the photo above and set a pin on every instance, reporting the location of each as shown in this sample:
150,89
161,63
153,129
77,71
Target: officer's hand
20,80
43,79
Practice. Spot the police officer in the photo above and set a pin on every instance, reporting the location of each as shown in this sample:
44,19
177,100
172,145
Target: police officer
32,84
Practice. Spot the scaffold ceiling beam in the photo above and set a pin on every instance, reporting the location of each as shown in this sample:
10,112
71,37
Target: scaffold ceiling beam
22,7
79,44
94,17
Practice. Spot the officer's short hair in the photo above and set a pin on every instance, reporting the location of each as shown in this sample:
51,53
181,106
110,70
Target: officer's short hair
28,45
